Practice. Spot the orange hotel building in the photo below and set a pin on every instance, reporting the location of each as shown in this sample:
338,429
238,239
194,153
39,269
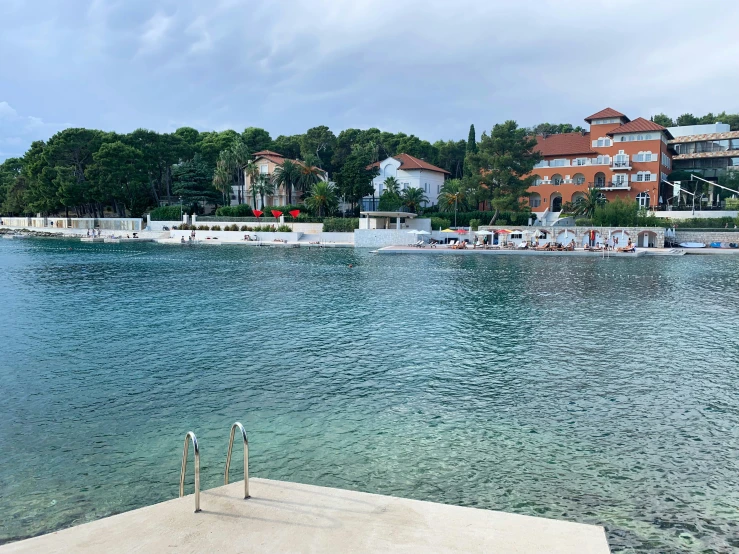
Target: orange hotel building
618,156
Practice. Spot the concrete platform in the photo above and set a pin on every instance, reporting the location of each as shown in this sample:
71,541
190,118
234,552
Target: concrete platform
289,517
510,252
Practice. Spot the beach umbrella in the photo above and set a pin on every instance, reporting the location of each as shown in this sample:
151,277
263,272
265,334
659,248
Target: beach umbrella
461,231
422,232
276,213
294,213
484,233
448,231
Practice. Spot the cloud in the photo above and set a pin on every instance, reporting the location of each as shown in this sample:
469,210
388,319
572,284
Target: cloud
18,131
429,67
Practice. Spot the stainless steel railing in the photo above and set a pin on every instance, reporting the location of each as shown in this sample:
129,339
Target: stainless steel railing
246,457
191,436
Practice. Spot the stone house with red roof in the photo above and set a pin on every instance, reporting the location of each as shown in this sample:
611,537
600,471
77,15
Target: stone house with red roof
409,172
618,156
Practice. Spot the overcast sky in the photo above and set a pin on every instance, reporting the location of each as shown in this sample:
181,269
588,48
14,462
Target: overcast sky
427,67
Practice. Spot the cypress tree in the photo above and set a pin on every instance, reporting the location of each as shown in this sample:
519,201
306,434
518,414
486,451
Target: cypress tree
471,142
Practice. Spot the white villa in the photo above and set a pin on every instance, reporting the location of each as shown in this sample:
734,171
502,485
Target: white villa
410,172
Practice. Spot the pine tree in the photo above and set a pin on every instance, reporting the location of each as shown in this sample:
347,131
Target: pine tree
471,141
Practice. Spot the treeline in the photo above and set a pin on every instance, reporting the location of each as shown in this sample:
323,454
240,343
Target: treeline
87,173
689,119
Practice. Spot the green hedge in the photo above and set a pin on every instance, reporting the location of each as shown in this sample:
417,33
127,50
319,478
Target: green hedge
702,223
242,210
464,218
340,224
440,223
166,213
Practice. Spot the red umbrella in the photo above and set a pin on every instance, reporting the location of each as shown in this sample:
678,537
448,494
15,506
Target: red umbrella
462,231
295,213
258,213
276,213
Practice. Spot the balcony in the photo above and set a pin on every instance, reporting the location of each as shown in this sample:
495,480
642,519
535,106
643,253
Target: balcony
621,164
610,186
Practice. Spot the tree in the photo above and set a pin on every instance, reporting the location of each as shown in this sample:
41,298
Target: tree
355,177
392,186
263,187
472,140
309,176
585,206
686,119
453,196
287,176
120,175
322,199
13,187
390,199
662,119
223,179
451,156
288,146
240,158
413,198
501,170
193,181
320,142
251,172
256,139
212,144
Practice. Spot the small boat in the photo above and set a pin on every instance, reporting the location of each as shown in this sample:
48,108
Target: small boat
16,236
692,245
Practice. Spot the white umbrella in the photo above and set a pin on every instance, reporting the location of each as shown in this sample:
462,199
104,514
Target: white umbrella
484,233
415,232
423,233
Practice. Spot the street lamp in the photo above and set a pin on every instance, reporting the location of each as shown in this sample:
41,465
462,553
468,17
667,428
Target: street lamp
180,208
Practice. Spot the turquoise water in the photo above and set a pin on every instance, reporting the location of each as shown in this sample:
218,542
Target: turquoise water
598,391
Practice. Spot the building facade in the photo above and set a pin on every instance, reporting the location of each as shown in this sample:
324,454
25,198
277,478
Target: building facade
410,172
618,157
706,150
267,162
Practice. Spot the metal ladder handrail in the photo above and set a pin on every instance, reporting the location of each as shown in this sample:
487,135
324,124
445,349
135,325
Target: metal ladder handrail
191,436
246,457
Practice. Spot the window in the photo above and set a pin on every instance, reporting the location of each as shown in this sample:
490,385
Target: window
643,199
643,176
538,181
603,160
666,162
640,137
621,159
438,189
643,157
557,179
647,137
579,179
534,200
263,169
558,163
603,142
581,161
619,179
542,163
663,176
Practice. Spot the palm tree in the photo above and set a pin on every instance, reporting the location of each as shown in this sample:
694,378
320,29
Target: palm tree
287,176
251,172
413,198
240,158
392,186
223,179
586,205
309,176
452,195
263,187
322,199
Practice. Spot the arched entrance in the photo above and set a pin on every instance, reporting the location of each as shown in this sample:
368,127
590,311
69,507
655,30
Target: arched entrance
600,179
647,239
578,197
534,200
556,202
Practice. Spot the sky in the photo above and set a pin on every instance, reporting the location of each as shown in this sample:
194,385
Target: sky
428,68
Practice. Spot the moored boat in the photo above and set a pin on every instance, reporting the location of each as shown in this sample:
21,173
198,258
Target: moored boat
692,245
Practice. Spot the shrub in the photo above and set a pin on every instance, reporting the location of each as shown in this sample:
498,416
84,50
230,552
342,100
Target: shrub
474,223
583,222
440,223
166,213
501,222
203,228
340,224
284,229
215,228
245,228
242,210
731,204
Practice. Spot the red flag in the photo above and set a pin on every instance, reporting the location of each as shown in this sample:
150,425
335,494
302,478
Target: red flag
258,213
276,213
295,213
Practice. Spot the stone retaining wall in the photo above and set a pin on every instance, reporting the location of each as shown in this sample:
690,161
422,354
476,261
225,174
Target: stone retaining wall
656,235
707,237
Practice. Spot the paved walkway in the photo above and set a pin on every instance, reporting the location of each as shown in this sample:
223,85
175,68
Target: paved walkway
288,517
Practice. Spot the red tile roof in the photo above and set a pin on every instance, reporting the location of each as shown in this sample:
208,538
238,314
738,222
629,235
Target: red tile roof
267,153
607,112
411,162
564,144
639,125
